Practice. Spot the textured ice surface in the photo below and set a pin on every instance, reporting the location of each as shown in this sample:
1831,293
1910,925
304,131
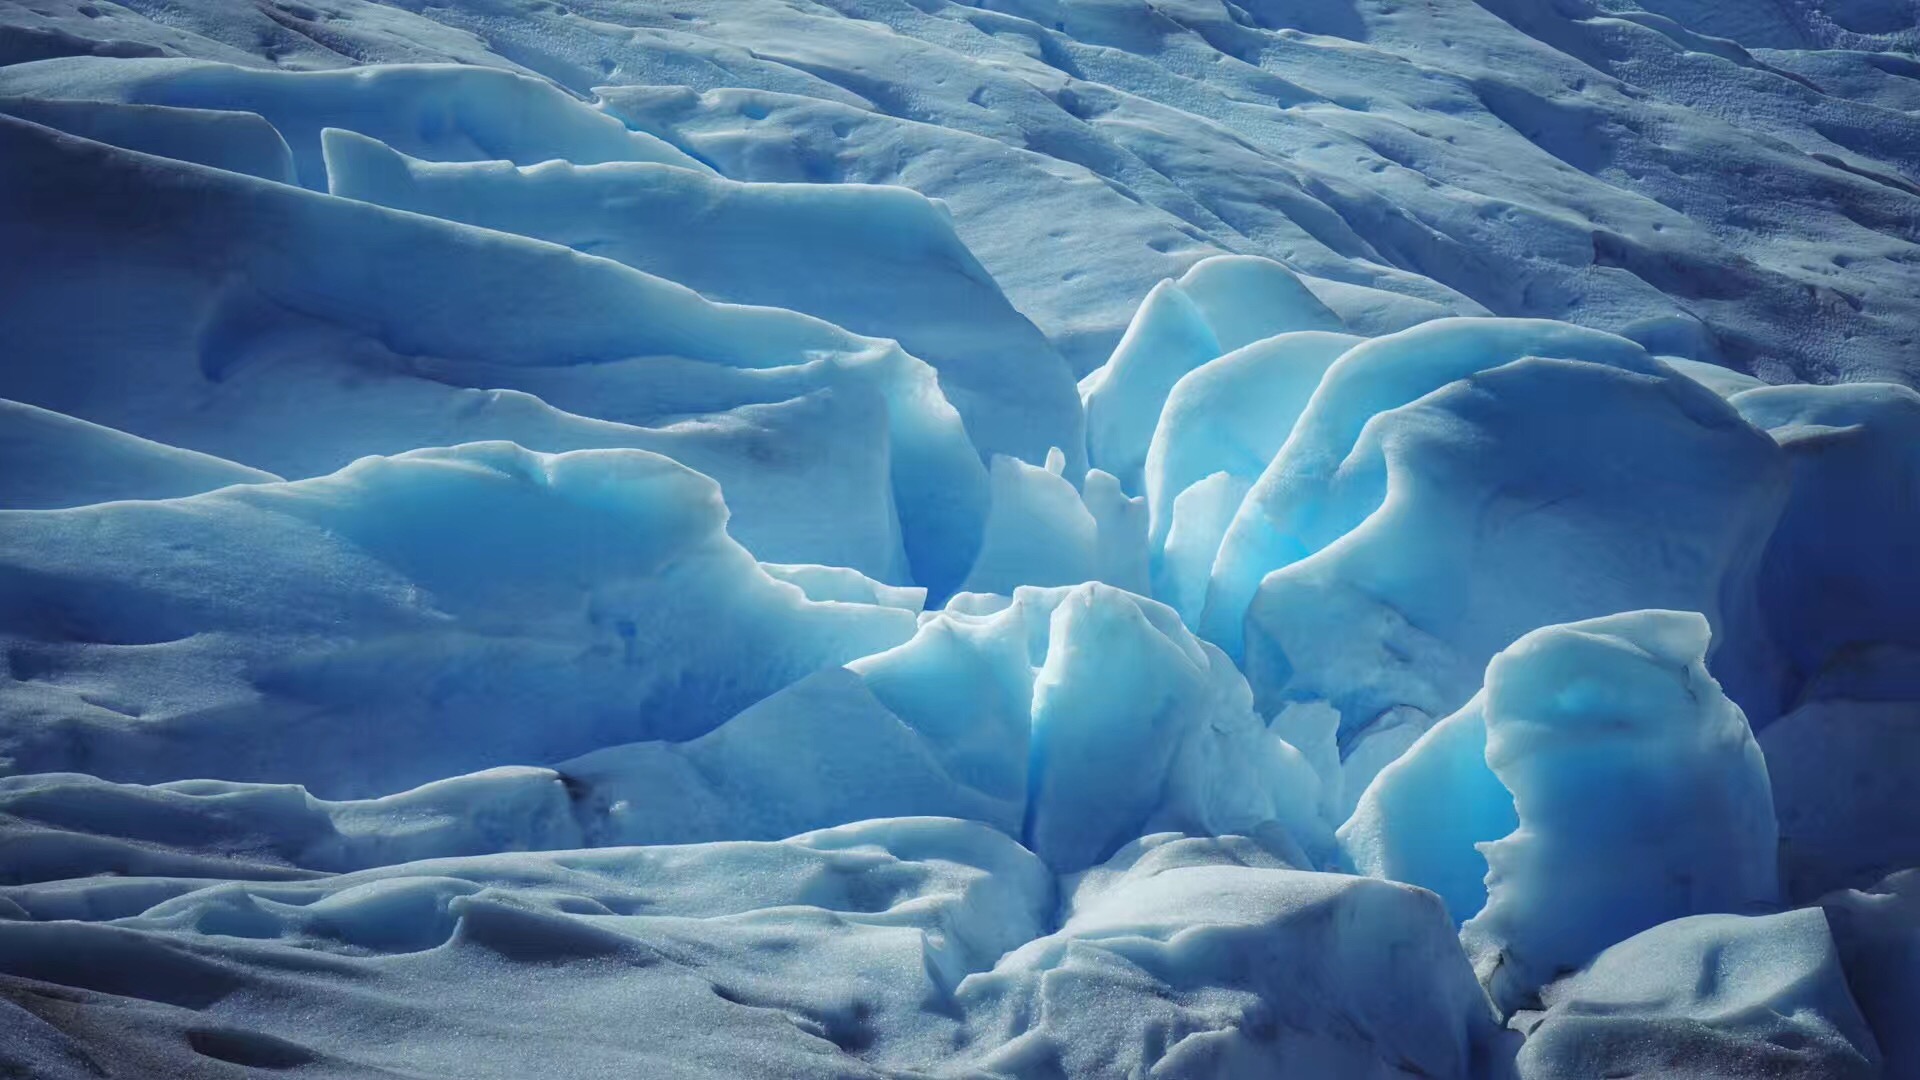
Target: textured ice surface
1047,538
327,616
1708,996
1877,930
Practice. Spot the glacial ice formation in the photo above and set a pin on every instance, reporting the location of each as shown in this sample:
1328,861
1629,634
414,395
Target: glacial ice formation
1709,996
1620,708
1043,538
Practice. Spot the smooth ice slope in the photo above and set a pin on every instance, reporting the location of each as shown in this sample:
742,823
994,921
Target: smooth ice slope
442,113
1220,305
1424,816
233,140
877,260
1039,532
322,329
1232,415
50,461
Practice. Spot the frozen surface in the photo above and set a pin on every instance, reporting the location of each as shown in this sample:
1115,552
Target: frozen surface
1456,431
1600,784
1219,306
1842,786
1044,538
1276,938
1877,930
1640,793
1709,996
51,461
325,616
898,270
441,113
1232,415
250,311
1836,583
1423,817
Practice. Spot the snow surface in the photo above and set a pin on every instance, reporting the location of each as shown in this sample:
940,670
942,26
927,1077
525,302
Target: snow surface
1033,538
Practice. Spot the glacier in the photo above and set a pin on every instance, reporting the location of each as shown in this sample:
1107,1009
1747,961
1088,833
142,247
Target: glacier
1342,539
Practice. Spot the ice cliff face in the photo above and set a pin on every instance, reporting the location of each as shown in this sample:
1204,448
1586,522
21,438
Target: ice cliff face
1336,539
